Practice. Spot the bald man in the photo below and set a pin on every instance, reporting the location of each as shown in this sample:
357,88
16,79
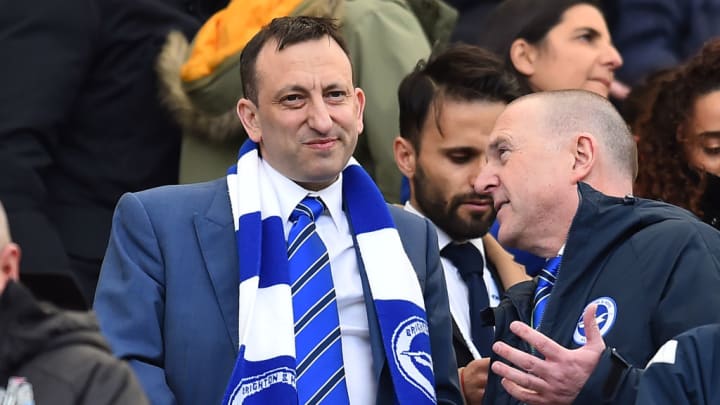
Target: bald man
560,169
53,356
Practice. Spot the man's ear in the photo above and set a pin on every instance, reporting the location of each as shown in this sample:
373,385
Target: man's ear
585,154
360,97
248,113
405,156
522,56
10,262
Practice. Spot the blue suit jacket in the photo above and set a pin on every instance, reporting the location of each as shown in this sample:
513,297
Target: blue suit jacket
168,294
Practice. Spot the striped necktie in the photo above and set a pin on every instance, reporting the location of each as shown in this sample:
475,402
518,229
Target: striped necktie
546,281
320,374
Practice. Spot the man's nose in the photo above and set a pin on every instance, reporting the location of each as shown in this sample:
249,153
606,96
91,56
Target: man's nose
486,181
319,117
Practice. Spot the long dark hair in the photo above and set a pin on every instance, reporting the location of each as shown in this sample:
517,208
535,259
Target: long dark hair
665,171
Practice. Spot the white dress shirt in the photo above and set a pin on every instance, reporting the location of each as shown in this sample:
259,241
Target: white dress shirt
334,229
456,288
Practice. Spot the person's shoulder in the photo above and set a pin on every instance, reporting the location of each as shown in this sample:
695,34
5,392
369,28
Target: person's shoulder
400,215
83,370
660,215
183,190
178,195
73,357
666,228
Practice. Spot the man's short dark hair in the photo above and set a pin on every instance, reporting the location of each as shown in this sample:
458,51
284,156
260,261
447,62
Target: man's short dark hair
461,73
286,31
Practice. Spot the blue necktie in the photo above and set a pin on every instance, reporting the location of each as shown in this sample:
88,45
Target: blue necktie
546,281
469,262
318,350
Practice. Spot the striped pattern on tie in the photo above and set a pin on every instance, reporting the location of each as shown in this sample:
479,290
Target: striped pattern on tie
546,281
319,363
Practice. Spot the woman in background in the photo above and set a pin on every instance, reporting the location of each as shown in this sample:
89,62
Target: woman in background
553,44
679,146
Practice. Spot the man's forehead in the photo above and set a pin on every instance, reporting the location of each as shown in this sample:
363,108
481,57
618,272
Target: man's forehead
324,51
518,117
271,46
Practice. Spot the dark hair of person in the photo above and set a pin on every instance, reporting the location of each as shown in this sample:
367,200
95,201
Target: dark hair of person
286,31
635,109
530,20
460,72
665,172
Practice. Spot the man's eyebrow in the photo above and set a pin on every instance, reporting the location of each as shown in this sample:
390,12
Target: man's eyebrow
463,149
334,85
292,88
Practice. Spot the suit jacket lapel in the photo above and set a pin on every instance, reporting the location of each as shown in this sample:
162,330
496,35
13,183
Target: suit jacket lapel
462,352
216,236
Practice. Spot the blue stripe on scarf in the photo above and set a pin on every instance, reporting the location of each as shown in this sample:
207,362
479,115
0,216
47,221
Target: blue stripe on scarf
248,242
270,234
362,196
274,266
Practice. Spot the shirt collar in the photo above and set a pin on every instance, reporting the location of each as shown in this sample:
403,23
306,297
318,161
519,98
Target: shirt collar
290,194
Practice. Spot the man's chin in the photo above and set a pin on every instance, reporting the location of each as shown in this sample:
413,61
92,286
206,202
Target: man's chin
472,231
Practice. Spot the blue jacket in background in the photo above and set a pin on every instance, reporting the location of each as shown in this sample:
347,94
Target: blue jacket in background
655,34
686,370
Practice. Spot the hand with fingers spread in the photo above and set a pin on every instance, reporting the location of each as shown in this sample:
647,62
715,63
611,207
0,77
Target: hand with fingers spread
559,377
474,380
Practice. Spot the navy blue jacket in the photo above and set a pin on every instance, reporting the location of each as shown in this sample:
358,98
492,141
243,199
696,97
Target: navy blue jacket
653,268
688,372
656,34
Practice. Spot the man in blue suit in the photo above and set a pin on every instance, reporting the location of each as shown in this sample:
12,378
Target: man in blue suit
198,289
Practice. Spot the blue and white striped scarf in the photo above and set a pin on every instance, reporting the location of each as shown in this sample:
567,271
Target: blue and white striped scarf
264,371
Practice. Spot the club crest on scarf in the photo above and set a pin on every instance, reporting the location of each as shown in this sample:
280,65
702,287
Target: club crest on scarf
408,343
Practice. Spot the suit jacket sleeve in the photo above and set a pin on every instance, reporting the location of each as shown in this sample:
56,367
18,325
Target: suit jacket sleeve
130,297
439,322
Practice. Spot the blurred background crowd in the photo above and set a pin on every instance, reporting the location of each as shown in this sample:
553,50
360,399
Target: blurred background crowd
104,97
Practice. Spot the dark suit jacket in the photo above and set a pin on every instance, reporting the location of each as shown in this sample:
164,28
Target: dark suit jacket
168,294
83,126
